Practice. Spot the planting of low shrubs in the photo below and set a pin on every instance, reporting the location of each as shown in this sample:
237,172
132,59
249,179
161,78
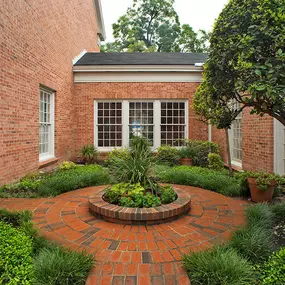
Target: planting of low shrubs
121,153
218,266
57,265
217,181
136,196
66,165
168,155
273,270
16,263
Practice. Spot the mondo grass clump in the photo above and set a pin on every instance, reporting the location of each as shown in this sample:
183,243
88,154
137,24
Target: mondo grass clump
218,266
67,180
57,265
218,181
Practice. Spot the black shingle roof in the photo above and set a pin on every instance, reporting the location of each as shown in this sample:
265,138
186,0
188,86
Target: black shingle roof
136,58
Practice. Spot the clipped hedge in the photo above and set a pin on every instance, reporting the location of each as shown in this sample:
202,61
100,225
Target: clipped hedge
16,263
218,181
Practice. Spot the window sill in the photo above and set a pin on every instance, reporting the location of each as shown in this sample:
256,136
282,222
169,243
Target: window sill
235,166
48,162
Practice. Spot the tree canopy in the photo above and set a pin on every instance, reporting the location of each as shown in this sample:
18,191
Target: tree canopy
246,63
153,26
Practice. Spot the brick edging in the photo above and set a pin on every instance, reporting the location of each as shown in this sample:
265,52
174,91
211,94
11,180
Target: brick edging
117,214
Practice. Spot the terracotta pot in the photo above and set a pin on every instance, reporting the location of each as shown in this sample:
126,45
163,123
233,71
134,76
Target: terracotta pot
186,161
258,195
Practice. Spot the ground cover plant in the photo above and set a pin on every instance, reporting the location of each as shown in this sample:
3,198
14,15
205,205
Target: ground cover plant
66,178
218,181
248,258
27,258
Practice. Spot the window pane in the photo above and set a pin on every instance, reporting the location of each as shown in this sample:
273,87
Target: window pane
173,123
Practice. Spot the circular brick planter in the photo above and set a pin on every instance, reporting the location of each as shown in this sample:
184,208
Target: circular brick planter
137,216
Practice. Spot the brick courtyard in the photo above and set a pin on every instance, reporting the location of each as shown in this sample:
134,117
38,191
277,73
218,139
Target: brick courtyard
134,254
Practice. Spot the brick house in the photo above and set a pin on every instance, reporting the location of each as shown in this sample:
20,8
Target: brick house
55,97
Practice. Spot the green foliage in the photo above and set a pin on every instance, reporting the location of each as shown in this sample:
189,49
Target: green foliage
246,63
278,211
217,181
66,165
203,148
14,218
89,153
79,177
167,195
118,153
137,167
215,161
16,264
260,215
254,243
153,26
273,270
218,266
187,152
57,265
168,155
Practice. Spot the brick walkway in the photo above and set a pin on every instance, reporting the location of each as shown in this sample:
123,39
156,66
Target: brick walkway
134,254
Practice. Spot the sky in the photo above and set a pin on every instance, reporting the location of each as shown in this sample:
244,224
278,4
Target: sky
200,14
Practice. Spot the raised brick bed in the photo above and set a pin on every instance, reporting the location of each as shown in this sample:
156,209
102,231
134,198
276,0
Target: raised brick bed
124,215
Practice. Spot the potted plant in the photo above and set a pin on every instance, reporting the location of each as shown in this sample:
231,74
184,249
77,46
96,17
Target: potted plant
261,185
187,154
89,154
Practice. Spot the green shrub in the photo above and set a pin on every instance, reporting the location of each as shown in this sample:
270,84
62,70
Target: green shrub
254,243
218,181
202,149
168,154
273,270
57,265
218,266
66,165
138,167
89,153
121,153
15,218
16,264
168,194
188,152
215,161
80,177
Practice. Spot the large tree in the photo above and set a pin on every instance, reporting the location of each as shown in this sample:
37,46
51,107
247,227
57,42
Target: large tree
153,26
246,62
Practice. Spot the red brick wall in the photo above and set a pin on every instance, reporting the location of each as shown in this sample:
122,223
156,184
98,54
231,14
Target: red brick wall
86,93
257,142
39,39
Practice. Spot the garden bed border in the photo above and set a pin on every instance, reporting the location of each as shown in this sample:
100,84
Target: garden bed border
138,216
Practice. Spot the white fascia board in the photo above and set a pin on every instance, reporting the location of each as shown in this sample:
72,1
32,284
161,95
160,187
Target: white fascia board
85,77
137,68
100,20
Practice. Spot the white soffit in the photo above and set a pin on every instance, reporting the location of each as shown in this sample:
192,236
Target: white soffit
137,73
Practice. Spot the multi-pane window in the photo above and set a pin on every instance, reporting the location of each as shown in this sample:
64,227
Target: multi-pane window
237,139
141,120
109,124
161,122
173,123
46,124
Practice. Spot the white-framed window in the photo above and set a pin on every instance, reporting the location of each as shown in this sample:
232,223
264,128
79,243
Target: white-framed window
46,124
236,139
160,121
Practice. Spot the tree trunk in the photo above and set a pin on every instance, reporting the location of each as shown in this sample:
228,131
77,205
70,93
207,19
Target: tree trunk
229,153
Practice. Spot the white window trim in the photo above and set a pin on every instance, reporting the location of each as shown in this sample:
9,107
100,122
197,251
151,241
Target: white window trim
279,148
50,155
125,121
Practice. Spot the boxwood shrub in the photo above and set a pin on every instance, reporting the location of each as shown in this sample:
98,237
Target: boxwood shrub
16,262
